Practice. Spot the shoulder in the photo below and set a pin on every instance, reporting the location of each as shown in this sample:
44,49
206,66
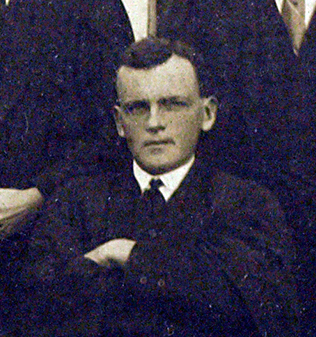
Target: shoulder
88,186
75,213
234,192
93,189
249,211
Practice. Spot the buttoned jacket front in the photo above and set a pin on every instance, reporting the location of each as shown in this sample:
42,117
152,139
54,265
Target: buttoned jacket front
217,232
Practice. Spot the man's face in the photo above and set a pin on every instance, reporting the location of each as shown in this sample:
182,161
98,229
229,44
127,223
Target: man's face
161,113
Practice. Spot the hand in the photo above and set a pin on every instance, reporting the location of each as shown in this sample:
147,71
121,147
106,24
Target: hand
118,250
15,205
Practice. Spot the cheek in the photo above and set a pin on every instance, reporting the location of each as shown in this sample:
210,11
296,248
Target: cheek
186,126
188,134
133,134
130,128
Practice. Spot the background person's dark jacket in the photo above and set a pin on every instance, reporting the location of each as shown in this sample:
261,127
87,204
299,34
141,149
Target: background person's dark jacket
45,118
57,69
266,128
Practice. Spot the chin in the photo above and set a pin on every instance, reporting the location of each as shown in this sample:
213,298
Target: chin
154,169
159,162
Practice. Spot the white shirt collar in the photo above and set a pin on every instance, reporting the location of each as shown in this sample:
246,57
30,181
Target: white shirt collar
279,4
137,11
309,9
171,180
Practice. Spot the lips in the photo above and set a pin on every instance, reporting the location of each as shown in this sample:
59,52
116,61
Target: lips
159,142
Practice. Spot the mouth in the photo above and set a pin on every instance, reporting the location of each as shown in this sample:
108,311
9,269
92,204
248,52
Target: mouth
159,142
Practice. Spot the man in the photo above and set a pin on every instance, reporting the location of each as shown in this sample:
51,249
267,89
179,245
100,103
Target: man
54,99
196,252
53,51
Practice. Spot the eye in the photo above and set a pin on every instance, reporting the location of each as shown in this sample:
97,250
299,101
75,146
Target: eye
137,108
169,104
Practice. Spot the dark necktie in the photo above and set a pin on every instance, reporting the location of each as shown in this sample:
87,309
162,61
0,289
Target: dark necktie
153,198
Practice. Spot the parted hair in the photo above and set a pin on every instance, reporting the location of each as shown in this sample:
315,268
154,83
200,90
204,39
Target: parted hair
151,52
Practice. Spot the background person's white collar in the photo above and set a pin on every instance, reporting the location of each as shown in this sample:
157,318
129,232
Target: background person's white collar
137,11
309,9
171,180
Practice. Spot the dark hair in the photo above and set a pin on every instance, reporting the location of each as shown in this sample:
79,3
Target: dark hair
151,52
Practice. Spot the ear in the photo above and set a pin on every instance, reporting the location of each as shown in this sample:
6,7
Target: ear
119,121
209,106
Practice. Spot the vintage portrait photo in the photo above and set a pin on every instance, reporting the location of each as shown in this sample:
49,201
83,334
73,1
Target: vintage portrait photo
157,168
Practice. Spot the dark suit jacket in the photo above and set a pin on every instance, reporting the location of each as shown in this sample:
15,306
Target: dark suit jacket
57,66
266,124
267,92
275,87
47,49
220,245
284,116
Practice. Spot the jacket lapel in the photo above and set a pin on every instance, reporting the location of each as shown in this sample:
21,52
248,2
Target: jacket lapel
308,49
191,206
111,12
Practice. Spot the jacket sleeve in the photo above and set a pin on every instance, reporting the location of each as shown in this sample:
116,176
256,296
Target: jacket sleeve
55,272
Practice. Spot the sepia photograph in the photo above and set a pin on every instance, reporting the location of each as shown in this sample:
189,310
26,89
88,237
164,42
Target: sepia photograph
158,168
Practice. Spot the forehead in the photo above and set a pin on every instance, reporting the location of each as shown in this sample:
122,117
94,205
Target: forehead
175,77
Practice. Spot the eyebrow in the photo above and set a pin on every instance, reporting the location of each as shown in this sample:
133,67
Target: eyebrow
162,100
135,104
175,99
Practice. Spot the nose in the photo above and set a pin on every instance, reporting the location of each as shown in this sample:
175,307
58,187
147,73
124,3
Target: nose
154,122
